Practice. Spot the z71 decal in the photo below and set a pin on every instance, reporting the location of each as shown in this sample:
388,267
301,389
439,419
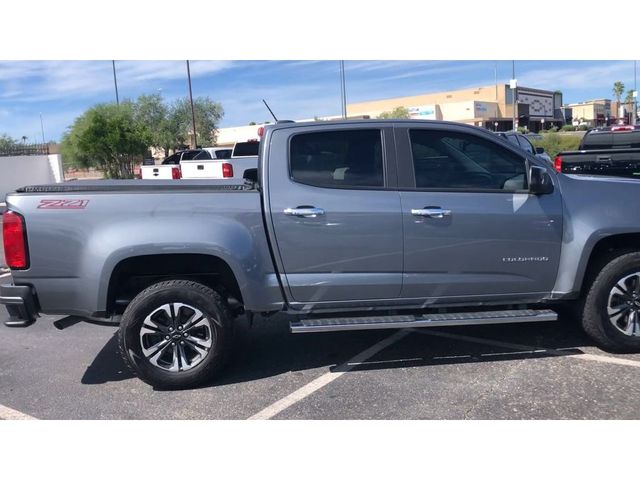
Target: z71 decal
63,204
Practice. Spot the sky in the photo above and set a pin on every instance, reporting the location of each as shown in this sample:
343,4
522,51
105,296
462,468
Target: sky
63,90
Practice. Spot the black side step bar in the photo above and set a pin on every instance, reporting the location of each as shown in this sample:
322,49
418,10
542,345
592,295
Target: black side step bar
426,320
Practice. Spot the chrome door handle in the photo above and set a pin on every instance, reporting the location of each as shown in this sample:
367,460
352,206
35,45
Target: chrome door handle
430,212
308,212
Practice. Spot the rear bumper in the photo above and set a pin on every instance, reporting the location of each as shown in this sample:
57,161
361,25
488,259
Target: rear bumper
21,305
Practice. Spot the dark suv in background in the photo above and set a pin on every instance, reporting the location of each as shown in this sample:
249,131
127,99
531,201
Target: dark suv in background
522,142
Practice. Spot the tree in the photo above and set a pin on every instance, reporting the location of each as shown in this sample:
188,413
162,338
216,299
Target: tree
208,115
152,112
6,142
108,137
24,139
398,112
618,90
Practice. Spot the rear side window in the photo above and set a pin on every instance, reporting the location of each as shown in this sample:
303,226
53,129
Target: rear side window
223,154
203,155
190,155
341,158
606,140
451,160
246,149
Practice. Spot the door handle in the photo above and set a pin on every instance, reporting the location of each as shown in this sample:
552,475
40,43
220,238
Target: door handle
431,212
307,212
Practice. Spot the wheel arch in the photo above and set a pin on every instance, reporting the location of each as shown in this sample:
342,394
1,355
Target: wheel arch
130,275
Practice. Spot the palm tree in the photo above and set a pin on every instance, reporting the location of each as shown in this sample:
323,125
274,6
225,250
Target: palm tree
24,139
618,90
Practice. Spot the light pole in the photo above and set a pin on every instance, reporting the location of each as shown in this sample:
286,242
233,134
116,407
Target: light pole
634,117
193,112
514,92
42,128
115,81
343,91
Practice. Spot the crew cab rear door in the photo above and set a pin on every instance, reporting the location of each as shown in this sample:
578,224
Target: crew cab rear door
472,231
335,212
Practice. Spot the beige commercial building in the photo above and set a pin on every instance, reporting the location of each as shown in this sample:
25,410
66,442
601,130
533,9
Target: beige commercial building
490,107
592,112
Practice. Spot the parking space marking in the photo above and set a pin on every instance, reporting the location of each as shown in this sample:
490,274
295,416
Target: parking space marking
564,352
5,275
303,392
7,413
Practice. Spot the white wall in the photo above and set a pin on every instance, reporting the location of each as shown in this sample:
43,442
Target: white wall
24,170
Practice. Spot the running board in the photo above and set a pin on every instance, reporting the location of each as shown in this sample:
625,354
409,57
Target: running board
417,321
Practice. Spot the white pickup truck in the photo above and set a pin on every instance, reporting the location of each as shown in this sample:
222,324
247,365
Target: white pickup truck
206,163
171,167
243,157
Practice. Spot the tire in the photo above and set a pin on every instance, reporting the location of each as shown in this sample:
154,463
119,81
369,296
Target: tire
602,293
165,345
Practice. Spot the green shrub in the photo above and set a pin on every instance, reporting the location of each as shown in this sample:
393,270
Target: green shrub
554,143
568,128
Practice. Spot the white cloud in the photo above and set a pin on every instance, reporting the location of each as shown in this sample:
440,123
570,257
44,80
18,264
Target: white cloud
51,80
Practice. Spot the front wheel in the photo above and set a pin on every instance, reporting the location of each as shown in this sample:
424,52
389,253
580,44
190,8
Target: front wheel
176,334
611,313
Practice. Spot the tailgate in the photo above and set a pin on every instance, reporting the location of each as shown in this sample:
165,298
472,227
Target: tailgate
202,168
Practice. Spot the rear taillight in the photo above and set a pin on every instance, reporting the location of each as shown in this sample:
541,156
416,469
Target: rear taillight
557,164
176,174
14,236
227,170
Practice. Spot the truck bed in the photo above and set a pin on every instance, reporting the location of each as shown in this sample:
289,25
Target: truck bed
610,162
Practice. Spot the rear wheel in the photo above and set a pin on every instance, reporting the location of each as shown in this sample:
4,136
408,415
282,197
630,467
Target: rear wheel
176,334
611,312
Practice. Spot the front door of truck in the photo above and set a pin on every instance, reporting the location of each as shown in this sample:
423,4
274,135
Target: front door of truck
335,213
472,231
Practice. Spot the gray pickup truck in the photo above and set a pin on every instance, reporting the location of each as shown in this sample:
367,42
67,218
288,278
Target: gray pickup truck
348,225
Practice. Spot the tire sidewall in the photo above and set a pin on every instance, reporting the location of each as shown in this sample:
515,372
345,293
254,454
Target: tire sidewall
153,298
596,308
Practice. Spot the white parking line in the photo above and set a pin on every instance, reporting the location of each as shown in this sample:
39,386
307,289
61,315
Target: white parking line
303,392
565,352
7,413
5,275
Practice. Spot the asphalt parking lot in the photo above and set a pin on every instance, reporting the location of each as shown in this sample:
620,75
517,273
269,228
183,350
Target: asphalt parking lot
522,371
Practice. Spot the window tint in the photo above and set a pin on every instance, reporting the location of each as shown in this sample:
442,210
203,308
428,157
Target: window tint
457,160
525,144
223,154
343,158
190,155
512,139
203,155
606,140
246,149
172,159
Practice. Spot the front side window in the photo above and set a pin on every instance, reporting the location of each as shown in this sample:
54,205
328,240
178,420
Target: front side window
451,160
341,158
525,144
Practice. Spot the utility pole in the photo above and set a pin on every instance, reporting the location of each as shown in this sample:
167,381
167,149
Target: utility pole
193,112
343,91
115,81
495,74
634,117
42,128
514,91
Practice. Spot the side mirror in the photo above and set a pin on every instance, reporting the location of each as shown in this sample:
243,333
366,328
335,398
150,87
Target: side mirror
539,149
540,182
